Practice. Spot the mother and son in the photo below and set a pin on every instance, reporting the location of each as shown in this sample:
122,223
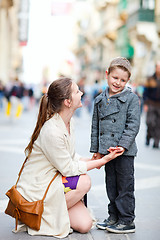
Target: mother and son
115,124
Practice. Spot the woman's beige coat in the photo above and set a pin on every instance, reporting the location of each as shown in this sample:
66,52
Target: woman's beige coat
53,150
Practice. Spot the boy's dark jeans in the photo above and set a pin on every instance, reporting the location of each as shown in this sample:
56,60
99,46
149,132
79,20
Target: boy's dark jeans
120,188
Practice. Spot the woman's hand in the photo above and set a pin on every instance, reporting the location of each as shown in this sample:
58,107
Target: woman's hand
98,163
97,156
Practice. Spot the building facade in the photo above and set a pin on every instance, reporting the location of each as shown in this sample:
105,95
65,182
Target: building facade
13,36
119,28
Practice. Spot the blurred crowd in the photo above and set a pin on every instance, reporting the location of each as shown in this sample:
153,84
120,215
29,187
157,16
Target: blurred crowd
16,97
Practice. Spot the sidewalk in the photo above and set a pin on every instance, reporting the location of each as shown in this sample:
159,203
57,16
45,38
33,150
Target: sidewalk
13,139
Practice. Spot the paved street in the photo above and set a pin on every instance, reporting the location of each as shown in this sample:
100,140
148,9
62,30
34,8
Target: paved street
14,136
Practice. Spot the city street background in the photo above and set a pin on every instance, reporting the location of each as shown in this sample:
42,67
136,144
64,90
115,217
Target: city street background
14,136
43,40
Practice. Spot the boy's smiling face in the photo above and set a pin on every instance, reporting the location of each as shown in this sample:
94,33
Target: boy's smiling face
117,79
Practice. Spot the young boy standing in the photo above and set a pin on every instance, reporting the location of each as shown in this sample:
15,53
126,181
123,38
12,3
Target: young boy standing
115,122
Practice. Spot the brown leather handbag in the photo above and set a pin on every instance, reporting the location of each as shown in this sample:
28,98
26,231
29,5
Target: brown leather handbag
29,213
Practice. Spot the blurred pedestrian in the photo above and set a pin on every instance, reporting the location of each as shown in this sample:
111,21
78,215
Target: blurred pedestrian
16,94
88,100
51,149
139,90
81,86
31,98
1,94
151,98
7,95
96,89
115,122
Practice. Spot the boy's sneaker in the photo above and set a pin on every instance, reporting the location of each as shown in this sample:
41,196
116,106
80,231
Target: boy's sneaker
107,222
121,228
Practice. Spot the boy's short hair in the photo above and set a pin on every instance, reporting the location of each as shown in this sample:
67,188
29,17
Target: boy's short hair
121,62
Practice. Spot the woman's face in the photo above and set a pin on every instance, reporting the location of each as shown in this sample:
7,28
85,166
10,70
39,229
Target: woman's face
76,97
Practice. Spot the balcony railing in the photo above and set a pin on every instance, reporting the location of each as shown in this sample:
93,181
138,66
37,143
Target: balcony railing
146,15
142,15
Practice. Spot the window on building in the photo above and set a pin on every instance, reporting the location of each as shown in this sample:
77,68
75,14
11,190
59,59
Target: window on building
148,4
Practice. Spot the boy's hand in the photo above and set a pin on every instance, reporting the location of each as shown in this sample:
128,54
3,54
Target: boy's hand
114,152
119,149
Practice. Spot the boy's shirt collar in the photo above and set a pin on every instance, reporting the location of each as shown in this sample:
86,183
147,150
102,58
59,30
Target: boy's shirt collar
122,96
118,94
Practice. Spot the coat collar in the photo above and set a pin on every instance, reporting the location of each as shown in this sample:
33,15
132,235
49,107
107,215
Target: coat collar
58,121
122,96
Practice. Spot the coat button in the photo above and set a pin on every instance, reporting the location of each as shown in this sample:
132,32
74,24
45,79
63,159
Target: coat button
101,133
112,135
113,120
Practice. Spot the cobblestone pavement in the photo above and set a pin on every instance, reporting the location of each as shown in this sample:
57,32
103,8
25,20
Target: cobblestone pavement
14,136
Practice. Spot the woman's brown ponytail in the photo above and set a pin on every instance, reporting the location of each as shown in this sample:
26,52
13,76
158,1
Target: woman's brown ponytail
50,103
42,117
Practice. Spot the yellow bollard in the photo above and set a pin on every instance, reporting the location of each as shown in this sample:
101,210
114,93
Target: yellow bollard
8,109
19,110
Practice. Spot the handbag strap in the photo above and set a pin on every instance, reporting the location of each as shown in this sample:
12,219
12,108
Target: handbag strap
48,184
21,170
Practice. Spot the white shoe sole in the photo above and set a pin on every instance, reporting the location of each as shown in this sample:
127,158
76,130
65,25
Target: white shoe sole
120,231
103,228
99,227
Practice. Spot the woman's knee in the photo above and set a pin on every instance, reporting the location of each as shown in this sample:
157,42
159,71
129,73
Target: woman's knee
85,226
84,183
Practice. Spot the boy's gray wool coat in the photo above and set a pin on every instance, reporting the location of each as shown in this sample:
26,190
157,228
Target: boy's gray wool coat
115,122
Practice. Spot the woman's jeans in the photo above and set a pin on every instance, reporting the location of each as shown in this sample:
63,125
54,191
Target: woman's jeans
120,188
